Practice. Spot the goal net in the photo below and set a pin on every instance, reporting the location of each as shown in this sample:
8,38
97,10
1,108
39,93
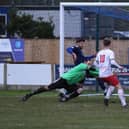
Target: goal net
92,21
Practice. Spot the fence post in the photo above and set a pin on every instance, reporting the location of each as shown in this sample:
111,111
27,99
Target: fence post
5,76
97,43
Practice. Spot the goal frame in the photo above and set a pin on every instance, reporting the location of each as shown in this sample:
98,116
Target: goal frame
77,4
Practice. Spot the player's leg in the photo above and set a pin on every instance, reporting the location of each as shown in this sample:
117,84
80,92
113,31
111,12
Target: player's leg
38,91
93,72
121,95
113,80
110,89
71,91
109,92
76,93
102,85
77,90
120,90
64,92
60,83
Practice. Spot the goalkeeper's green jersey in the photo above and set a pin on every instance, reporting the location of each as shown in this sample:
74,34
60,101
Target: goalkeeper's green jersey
76,74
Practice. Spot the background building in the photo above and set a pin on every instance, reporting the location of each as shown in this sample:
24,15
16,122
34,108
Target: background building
3,21
78,23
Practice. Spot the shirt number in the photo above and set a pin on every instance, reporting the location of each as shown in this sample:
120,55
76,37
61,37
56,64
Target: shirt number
102,58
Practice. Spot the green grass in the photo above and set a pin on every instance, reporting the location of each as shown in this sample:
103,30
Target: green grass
45,112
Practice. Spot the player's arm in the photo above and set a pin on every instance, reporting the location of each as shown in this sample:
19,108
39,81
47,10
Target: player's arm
96,62
113,62
94,73
89,57
70,50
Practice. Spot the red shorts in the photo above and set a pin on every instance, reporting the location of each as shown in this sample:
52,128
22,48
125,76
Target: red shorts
111,80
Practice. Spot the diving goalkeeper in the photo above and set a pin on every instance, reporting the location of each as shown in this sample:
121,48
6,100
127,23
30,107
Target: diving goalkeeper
69,80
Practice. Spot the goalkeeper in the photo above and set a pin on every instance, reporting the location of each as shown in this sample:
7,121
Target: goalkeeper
69,80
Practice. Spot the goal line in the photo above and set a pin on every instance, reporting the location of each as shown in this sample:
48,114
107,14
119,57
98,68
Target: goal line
100,94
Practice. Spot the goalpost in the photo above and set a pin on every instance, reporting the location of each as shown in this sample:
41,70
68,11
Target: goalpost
79,4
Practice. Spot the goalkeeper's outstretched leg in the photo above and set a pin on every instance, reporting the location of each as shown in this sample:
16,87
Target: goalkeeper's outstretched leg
60,83
38,91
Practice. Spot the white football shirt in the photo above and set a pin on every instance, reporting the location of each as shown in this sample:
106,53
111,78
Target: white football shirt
103,60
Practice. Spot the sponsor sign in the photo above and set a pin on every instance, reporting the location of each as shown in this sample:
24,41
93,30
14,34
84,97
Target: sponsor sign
13,48
18,49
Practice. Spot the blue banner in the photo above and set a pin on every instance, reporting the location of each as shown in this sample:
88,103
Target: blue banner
123,75
17,49
4,10
11,50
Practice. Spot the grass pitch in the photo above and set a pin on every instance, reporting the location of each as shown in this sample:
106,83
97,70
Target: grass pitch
46,112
